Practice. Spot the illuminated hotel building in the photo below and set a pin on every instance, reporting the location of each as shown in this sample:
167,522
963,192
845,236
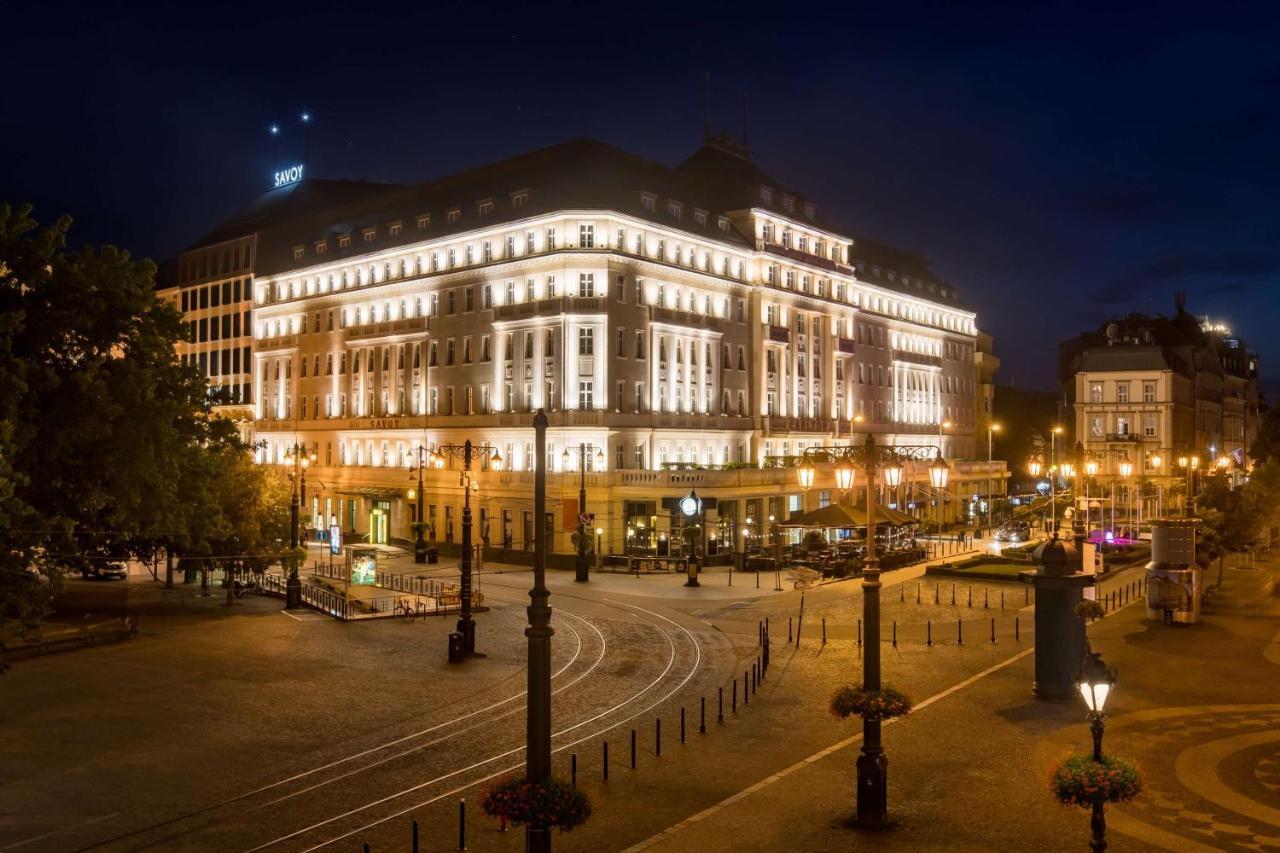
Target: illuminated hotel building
692,327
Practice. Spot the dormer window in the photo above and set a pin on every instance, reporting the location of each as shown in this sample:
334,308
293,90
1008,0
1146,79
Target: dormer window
455,214
648,202
766,195
424,221
369,234
485,207
322,246
724,223
518,199
344,241
700,217
809,210
675,208
395,229
788,203
298,251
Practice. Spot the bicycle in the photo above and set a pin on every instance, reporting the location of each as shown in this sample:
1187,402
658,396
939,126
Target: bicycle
406,610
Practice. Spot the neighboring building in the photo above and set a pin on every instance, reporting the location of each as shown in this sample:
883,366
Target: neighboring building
697,327
211,283
1155,389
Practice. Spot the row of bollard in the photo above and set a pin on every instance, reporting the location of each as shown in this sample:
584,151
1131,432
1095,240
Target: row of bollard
928,627
986,595
751,680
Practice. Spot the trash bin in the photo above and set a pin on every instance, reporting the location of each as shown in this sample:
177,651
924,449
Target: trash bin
433,555
455,647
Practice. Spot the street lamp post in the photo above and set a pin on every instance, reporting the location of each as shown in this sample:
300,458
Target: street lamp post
1053,475
539,632
420,544
580,565
992,428
466,451
1095,683
1090,471
872,764
301,459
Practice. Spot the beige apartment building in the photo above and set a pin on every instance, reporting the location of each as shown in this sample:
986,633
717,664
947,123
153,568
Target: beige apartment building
1154,391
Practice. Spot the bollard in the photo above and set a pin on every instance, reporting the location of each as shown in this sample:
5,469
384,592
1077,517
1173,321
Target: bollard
633,749
414,838
462,824
993,630
859,632
1017,635
824,630
702,715
733,708
573,769
682,724
928,636
606,761
986,599
959,632
800,621
720,705
901,593
936,600
788,629
746,696
917,593
753,679
953,595
1002,601
970,596
657,736
760,632
895,633
760,667
366,847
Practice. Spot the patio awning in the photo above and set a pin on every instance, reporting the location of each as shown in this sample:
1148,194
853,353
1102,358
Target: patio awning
841,516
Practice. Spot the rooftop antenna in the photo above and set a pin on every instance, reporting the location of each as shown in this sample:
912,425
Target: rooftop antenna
706,107
746,150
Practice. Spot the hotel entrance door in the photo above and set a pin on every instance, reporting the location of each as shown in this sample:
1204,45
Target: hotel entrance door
379,521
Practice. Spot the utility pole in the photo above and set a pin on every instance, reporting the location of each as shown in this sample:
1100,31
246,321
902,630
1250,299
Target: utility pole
539,632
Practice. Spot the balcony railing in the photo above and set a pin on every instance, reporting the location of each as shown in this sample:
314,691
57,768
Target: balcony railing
678,317
806,258
387,328
546,307
917,358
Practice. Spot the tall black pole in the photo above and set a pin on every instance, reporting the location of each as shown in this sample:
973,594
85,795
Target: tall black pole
873,765
580,567
539,632
420,545
293,586
1098,820
466,625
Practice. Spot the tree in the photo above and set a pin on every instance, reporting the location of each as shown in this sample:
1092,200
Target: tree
108,445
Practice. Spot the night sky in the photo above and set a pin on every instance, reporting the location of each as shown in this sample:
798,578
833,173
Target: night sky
1059,164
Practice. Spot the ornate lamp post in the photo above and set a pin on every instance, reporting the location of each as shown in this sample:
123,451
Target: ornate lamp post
466,451
1126,471
580,566
539,632
1190,464
300,458
425,459
1095,683
1090,471
873,765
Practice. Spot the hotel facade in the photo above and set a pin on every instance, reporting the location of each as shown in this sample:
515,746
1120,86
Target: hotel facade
696,327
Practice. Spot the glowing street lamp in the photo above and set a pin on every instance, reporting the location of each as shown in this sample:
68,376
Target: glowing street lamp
1034,468
939,473
804,474
844,476
1096,682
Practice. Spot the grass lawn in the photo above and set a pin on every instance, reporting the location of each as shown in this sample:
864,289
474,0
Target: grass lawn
1009,570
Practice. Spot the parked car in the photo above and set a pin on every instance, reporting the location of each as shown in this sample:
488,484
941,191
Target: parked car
104,569
1013,531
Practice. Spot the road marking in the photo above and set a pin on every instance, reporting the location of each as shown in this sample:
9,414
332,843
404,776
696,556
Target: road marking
307,616
817,756
1197,770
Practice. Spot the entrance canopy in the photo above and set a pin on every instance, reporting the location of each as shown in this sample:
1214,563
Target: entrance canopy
841,516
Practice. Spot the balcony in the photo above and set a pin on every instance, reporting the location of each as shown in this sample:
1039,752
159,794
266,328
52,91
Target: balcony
550,307
678,317
386,329
277,343
917,358
1123,437
804,258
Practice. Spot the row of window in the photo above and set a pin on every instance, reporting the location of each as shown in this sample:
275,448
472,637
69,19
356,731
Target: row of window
212,262
221,362
1122,425
212,295
1121,390
217,328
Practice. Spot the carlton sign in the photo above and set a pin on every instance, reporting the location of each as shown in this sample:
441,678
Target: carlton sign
291,175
